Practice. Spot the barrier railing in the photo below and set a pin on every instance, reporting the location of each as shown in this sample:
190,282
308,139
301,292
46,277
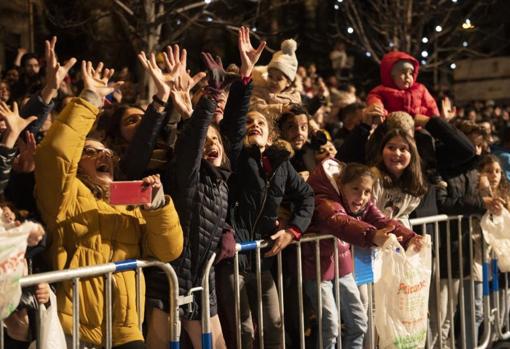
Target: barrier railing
460,289
106,270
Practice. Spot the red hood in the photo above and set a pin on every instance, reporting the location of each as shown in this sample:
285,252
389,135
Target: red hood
321,179
389,60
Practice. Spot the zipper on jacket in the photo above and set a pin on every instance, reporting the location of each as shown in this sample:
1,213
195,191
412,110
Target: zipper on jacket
264,199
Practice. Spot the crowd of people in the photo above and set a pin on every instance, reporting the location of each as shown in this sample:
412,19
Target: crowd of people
234,154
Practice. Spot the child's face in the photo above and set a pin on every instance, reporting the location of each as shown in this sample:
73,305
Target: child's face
129,123
403,77
327,150
295,131
277,81
257,130
357,193
396,156
213,147
478,141
493,173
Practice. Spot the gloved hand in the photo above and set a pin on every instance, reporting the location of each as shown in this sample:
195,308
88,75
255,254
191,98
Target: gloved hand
227,247
218,78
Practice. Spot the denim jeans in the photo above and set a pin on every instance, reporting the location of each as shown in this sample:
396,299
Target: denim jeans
351,308
478,310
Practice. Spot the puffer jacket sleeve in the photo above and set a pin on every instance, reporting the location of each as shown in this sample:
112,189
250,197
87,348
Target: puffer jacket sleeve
375,97
331,215
429,103
138,154
233,125
7,156
189,147
375,217
57,157
35,106
163,237
301,196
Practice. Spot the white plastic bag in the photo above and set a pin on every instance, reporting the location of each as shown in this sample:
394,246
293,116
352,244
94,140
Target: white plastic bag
13,243
401,289
497,234
51,332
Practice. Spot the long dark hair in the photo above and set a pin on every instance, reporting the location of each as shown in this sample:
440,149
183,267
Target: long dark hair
412,180
503,189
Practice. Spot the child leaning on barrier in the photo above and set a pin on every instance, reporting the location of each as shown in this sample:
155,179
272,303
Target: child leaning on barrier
73,174
343,208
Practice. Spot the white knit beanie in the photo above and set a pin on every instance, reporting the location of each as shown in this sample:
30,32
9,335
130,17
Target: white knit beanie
286,60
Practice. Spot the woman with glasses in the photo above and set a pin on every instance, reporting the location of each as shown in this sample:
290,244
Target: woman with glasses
73,174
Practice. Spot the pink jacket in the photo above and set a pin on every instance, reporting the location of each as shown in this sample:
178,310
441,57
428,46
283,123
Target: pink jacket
414,100
331,217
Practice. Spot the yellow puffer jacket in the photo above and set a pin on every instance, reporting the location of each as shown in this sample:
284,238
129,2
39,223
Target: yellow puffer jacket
85,231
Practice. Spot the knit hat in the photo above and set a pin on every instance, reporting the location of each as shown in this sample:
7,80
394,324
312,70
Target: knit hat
286,60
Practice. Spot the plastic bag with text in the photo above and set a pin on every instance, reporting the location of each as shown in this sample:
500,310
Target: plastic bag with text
497,234
13,243
401,289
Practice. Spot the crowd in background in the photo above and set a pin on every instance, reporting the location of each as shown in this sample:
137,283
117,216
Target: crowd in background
263,150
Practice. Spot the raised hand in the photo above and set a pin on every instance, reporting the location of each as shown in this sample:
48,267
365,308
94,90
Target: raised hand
447,110
150,65
219,79
249,55
55,73
175,62
25,162
15,123
95,81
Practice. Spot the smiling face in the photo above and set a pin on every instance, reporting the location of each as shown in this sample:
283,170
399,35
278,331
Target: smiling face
97,163
357,193
295,131
5,91
396,156
129,123
257,130
213,147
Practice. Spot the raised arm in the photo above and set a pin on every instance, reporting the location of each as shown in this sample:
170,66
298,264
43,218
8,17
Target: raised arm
59,153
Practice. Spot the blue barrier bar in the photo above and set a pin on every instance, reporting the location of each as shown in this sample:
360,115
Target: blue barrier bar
495,276
128,264
175,345
485,269
207,340
247,246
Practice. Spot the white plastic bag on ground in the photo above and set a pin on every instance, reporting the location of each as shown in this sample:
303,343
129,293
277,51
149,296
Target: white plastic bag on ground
496,232
401,289
51,332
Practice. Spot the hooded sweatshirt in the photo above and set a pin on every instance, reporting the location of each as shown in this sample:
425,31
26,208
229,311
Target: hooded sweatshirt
413,100
332,217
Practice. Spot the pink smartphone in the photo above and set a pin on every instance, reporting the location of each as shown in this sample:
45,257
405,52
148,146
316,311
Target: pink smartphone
130,193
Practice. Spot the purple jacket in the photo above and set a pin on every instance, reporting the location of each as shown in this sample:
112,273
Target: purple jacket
332,218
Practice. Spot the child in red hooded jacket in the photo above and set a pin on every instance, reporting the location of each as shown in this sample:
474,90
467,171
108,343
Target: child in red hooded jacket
399,90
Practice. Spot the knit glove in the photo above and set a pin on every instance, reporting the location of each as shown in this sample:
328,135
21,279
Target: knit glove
227,248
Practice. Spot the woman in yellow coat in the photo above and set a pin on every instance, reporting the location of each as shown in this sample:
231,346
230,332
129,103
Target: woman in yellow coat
72,178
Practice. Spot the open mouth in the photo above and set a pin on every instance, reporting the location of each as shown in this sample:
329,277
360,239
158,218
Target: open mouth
103,168
254,132
212,154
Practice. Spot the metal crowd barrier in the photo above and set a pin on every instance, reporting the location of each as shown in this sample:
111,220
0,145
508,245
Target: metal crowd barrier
496,322
107,270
